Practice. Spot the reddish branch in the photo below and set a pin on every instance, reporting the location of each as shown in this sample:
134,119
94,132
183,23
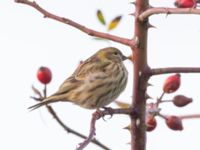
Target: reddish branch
69,130
97,115
55,116
125,41
66,128
158,71
163,10
138,126
191,116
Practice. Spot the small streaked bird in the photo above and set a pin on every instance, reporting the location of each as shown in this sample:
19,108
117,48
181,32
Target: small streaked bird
96,82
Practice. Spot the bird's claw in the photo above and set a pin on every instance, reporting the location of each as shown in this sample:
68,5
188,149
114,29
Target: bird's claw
109,110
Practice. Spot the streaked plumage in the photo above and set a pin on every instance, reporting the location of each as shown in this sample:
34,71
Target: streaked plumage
97,82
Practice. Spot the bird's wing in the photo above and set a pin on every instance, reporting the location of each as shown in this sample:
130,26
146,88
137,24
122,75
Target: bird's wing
88,67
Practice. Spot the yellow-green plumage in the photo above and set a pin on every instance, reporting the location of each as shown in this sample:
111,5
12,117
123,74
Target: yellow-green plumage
97,82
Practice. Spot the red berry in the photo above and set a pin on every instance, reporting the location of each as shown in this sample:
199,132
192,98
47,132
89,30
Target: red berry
172,83
185,3
44,75
181,100
151,123
174,123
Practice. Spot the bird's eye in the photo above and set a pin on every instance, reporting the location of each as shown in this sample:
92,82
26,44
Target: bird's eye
115,53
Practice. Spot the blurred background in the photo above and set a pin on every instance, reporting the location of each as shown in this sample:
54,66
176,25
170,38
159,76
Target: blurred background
28,41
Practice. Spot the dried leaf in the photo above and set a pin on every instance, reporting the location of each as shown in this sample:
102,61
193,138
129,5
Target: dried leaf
122,104
113,24
101,17
36,91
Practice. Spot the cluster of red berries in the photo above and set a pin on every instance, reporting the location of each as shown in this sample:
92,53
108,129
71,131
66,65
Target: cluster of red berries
171,84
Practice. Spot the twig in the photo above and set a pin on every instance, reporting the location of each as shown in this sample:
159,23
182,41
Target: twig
166,101
69,130
192,116
97,115
45,91
159,100
163,10
158,71
55,116
125,41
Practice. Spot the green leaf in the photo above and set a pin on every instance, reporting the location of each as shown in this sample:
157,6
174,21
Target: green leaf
113,24
101,17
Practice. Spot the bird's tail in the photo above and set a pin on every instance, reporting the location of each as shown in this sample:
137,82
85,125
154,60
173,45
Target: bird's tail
46,101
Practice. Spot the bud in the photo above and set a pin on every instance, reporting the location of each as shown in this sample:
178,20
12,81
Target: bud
181,100
174,123
172,83
44,75
151,123
185,3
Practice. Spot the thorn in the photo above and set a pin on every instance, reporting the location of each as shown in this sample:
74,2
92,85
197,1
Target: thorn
131,57
150,25
149,84
147,96
150,6
127,127
167,12
134,3
132,14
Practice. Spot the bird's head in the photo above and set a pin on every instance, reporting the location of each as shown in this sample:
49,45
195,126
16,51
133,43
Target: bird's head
111,54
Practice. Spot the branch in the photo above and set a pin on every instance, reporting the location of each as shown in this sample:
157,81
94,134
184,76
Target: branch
97,115
55,116
125,41
159,71
69,130
163,10
192,116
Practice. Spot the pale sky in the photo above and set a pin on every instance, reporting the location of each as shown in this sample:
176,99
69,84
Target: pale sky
29,41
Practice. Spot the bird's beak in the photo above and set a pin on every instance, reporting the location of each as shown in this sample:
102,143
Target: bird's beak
124,57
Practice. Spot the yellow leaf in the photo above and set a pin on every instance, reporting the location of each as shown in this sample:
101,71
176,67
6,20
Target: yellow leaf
101,17
122,104
113,24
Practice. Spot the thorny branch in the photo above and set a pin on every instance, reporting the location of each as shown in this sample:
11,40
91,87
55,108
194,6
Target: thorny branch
164,10
158,71
55,116
190,116
100,114
69,130
125,41
97,115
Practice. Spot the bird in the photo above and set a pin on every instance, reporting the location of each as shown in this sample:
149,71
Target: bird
95,83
